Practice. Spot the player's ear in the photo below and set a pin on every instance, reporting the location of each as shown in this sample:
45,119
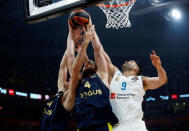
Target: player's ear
136,69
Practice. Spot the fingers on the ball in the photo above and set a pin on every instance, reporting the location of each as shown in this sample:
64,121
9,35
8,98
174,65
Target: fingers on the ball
79,30
93,27
90,21
88,27
85,30
82,29
80,37
69,22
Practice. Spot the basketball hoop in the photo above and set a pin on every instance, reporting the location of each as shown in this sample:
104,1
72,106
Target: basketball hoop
117,12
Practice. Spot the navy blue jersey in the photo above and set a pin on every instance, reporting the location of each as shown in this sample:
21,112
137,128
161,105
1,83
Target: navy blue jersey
55,117
92,106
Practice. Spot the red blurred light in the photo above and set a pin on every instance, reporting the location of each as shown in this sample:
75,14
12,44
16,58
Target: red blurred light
1,107
11,92
174,96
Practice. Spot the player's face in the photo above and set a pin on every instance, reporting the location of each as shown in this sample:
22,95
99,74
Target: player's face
89,68
130,66
89,65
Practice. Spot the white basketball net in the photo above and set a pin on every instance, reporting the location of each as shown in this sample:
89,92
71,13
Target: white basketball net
117,13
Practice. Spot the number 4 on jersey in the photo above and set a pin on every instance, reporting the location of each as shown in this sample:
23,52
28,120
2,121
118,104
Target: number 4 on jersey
87,84
124,84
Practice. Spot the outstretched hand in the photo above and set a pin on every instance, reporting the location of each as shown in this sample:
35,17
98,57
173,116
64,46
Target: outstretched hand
156,62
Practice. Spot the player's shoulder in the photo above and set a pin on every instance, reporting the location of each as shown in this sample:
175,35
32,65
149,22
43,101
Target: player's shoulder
111,68
145,78
114,67
117,72
117,76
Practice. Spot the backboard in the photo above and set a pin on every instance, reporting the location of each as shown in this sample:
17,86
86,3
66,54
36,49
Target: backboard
41,10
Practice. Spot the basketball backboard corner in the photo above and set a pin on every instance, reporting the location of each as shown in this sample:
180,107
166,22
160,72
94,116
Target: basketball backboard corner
42,10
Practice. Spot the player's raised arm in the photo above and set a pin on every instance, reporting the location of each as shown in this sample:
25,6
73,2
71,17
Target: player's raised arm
69,56
100,61
75,76
96,41
73,36
155,82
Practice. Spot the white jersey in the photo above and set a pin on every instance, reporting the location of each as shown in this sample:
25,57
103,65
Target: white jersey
126,96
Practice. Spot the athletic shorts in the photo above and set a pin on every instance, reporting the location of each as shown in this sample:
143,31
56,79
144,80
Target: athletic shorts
131,125
104,127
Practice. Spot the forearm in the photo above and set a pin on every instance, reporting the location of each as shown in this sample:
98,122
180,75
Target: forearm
70,52
97,47
69,102
80,57
162,75
86,57
99,54
70,44
64,61
62,75
96,42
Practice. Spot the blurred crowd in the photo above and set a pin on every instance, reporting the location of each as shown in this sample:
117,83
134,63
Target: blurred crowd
40,74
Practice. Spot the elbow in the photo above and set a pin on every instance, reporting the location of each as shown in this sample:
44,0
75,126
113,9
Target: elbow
164,81
69,54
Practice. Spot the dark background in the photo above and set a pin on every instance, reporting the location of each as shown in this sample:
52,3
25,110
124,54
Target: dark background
30,55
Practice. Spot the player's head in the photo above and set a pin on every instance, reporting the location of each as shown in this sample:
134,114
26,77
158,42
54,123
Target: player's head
131,66
89,68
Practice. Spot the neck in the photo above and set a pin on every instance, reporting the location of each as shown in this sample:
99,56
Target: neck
129,73
87,75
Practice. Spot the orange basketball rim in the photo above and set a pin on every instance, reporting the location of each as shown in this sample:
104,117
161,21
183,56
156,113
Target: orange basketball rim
115,6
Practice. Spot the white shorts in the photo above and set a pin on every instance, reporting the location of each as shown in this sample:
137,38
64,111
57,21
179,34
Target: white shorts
131,125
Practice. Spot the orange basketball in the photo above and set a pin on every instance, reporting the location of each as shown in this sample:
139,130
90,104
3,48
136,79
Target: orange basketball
78,18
